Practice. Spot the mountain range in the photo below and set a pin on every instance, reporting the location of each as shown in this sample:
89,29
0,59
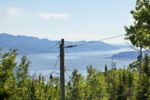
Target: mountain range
126,55
33,45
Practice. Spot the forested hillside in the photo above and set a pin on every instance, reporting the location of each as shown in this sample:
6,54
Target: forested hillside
130,83
112,84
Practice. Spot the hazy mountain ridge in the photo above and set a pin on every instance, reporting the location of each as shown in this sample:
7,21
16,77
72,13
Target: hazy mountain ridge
31,45
126,55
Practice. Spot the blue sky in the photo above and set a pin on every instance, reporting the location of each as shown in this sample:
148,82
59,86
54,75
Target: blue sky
73,20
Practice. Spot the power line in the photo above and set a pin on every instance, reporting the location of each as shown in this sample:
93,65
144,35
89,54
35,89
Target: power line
55,44
108,38
55,64
69,60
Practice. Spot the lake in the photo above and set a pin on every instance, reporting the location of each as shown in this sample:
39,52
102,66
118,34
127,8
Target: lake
44,63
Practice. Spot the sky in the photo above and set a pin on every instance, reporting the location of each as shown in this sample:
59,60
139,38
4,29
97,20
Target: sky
73,20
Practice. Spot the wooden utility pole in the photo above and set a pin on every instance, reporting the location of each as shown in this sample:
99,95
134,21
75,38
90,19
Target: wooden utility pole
62,76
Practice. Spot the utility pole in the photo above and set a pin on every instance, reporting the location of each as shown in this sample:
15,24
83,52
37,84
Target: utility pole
62,76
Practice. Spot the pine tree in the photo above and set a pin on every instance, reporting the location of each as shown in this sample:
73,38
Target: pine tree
7,75
78,86
96,84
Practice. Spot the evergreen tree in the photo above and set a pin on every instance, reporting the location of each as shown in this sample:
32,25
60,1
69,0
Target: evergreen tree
144,87
7,75
96,85
78,86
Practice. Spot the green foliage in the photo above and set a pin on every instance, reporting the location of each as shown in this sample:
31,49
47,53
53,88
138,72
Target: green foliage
77,86
139,33
96,84
112,84
7,75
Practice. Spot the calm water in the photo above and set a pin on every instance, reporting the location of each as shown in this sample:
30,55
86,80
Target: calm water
44,63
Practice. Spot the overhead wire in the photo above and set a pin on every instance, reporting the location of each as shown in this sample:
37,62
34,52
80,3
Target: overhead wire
70,60
116,36
70,46
112,37
67,69
81,44
55,64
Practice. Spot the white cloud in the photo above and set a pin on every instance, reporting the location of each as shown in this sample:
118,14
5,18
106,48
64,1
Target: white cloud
8,13
54,16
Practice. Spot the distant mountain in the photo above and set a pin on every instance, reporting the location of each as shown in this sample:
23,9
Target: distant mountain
32,45
126,55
